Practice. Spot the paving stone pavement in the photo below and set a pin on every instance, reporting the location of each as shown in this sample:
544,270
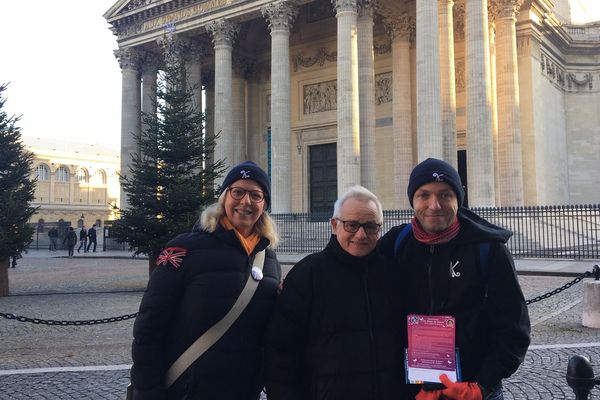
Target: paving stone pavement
92,362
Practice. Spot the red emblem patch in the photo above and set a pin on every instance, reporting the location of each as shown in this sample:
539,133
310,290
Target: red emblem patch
173,255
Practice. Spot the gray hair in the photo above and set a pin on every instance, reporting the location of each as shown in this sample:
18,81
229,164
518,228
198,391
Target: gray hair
265,226
359,193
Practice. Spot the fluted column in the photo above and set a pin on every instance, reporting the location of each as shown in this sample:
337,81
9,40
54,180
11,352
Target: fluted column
509,128
238,109
208,79
193,70
280,16
400,30
223,34
366,89
149,77
348,129
492,39
129,61
480,149
429,120
447,81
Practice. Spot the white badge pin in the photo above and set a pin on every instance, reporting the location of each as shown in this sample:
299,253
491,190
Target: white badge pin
257,274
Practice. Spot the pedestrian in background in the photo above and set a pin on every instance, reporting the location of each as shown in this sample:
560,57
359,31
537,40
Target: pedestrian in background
336,332
82,239
91,233
70,240
455,263
198,278
53,235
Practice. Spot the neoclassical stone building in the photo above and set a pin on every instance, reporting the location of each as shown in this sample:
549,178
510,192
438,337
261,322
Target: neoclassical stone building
73,180
330,93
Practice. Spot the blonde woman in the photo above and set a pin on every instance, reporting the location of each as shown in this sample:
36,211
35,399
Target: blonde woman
199,276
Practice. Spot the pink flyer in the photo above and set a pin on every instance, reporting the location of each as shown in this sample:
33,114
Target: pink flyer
431,348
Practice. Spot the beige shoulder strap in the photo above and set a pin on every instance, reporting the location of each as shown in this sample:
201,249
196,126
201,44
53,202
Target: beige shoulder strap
211,336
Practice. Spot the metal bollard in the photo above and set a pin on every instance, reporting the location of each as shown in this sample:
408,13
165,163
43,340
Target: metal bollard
580,377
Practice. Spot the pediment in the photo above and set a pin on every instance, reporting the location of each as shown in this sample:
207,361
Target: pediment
123,8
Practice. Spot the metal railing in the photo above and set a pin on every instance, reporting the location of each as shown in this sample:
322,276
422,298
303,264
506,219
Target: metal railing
564,232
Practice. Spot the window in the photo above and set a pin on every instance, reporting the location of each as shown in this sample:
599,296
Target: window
62,175
42,173
82,176
99,177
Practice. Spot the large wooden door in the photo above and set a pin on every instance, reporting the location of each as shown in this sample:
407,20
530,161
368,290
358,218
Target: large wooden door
323,178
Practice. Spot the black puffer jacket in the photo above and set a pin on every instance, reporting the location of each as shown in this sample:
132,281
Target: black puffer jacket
492,321
183,300
335,332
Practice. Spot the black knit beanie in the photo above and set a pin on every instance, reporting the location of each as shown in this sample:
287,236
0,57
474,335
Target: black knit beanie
434,170
249,170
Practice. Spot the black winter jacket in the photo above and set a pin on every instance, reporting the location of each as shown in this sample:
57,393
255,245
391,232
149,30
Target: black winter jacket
335,332
184,299
492,321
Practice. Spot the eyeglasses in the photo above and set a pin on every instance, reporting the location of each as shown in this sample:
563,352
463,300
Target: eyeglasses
370,228
256,196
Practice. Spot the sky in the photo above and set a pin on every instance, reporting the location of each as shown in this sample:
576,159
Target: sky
64,80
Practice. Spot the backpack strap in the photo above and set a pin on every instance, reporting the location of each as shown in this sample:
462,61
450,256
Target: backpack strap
484,258
399,243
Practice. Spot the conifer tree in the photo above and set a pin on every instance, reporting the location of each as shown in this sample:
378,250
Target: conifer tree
16,192
170,180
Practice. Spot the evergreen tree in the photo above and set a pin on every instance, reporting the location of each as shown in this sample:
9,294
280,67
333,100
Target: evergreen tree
16,192
170,180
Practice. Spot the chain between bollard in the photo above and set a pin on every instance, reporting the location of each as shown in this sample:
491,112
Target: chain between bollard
595,272
68,323
564,287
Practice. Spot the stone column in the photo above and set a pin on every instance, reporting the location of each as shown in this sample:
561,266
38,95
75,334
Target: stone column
149,77
348,130
280,16
492,37
223,34
429,120
480,147
447,81
193,70
366,88
208,79
509,128
129,61
238,109
401,30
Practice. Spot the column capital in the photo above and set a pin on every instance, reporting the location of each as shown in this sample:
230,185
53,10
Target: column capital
367,7
150,62
402,27
223,32
345,5
129,58
280,15
173,48
504,8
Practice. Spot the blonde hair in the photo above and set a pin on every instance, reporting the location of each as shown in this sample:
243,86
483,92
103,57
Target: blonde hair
265,226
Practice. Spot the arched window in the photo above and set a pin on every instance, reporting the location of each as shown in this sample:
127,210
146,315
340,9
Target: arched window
82,176
62,174
99,177
42,172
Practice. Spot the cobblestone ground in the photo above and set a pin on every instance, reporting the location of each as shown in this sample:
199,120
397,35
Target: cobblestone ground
91,362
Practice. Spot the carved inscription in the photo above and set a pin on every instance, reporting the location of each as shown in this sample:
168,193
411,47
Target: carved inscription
185,13
320,97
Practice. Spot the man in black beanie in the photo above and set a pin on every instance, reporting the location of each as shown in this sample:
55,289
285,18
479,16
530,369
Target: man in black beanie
456,264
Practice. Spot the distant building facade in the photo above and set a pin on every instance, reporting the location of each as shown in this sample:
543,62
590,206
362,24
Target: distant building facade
76,183
330,93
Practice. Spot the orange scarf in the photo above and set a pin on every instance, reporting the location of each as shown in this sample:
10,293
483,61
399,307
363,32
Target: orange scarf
249,243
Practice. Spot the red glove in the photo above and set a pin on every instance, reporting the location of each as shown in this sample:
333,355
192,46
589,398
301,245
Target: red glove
428,395
460,391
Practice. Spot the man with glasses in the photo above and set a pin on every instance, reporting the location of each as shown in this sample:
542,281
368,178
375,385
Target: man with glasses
335,332
455,265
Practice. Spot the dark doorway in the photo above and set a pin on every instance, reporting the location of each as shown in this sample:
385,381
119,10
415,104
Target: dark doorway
462,171
323,178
